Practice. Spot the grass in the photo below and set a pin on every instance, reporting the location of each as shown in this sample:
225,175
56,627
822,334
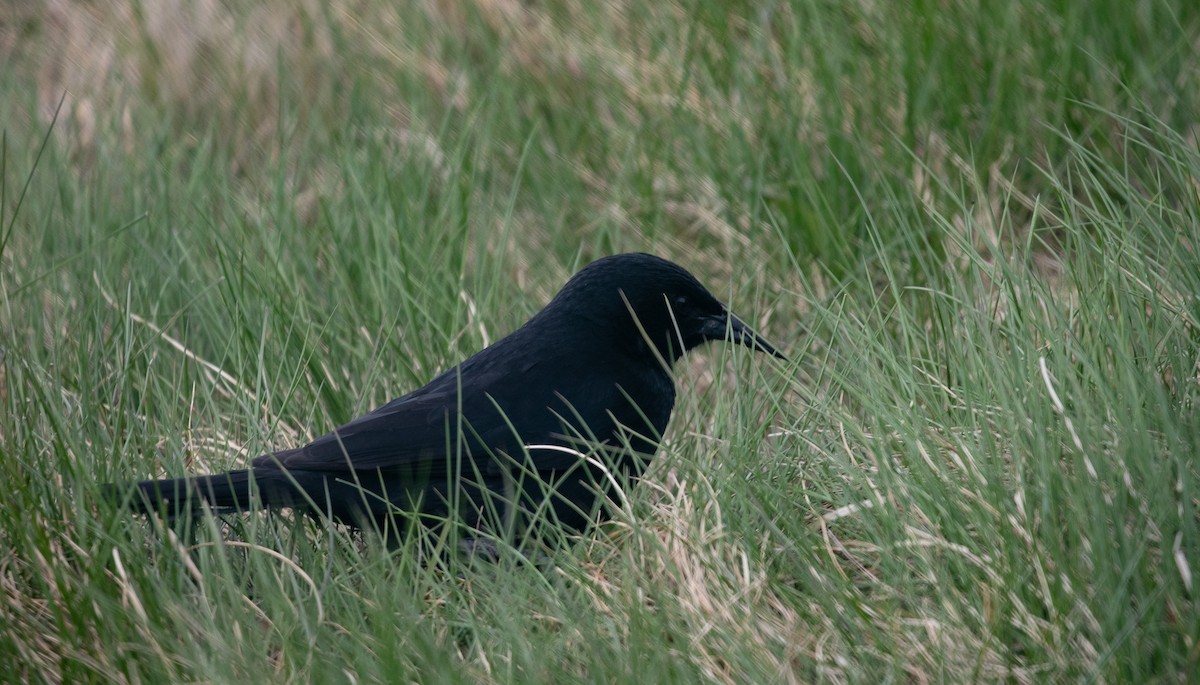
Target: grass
973,226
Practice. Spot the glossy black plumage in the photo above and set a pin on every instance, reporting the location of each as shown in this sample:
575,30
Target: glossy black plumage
545,418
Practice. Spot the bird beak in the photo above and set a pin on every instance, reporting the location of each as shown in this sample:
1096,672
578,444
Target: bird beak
729,327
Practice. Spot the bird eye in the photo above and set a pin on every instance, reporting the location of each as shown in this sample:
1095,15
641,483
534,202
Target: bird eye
681,300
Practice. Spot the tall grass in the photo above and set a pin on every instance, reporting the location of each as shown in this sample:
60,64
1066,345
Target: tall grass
973,226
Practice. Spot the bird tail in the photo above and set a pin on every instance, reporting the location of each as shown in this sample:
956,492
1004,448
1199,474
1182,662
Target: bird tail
221,492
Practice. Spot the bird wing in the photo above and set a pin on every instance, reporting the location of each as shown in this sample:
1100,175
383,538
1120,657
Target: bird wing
482,408
406,430
448,416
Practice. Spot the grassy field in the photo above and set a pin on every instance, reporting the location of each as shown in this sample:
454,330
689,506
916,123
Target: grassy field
973,226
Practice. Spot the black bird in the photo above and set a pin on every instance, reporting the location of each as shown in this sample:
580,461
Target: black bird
541,426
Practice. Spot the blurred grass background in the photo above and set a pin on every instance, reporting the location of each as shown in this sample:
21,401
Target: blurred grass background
973,226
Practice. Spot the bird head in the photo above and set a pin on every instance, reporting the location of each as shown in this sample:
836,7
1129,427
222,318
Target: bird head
640,301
